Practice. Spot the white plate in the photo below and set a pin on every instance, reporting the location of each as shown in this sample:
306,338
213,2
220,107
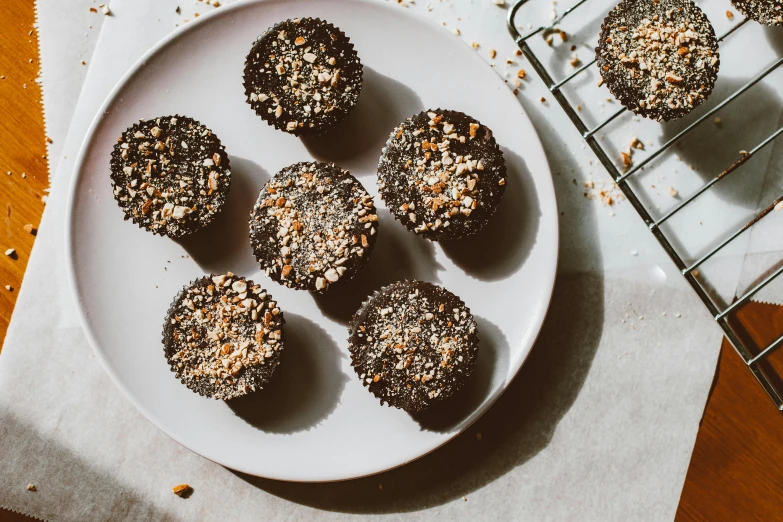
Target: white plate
315,422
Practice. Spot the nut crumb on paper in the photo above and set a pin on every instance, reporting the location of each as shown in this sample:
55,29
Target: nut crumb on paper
182,490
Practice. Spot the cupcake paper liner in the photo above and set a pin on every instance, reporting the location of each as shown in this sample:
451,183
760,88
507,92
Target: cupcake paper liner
269,254
460,227
173,228
255,377
626,16
266,108
378,388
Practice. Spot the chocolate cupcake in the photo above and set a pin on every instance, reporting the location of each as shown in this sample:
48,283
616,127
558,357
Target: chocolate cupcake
223,336
659,58
413,344
170,175
303,76
767,12
313,225
442,175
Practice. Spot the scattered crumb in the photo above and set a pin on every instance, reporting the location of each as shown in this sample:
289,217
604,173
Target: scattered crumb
634,253
499,3
24,175
579,108
636,143
518,52
11,289
600,81
729,15
521,74
31,487
475,45
677,315
575,61
492,53
456,31
380,486
779,207
30,229
627,160
542,100
743,152
465,499
93,10
49,140
105,9
44,198
717,121
182,490
478,436
673,192
10,252
695,273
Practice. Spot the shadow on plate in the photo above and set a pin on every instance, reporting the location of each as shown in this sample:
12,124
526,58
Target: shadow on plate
224,245
356,143
485,384
515,429
523,420
306,387
498,250
398,255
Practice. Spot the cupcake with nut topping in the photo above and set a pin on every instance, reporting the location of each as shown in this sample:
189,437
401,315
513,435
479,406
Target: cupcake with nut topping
303,76
170,175
314,225
659,58
413,344
223,336
442,174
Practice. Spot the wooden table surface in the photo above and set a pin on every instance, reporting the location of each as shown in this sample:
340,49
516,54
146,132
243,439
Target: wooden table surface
736,472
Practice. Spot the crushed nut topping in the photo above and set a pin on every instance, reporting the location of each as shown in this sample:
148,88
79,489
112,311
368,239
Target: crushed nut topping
442,174
223,336
303,75
660,59
767,12
170,175
413,343
313,225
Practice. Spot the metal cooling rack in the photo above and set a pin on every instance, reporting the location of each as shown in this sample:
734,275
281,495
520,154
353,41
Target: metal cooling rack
721,314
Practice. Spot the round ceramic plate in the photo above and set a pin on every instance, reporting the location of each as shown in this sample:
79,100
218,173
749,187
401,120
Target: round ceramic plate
315,421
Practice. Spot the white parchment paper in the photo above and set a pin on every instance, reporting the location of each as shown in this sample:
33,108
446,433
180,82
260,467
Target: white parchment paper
598,425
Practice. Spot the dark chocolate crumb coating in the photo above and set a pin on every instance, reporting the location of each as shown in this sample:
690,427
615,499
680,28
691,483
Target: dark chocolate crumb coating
170,175
659,58
767,12
303,76
413,344
223,336
442,175
313,225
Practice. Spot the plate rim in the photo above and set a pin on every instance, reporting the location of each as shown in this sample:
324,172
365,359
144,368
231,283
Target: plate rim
77,172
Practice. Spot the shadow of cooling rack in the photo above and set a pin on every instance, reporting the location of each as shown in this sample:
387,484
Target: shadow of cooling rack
727,316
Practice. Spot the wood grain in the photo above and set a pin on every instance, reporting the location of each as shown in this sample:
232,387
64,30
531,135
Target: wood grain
22,147
736,471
